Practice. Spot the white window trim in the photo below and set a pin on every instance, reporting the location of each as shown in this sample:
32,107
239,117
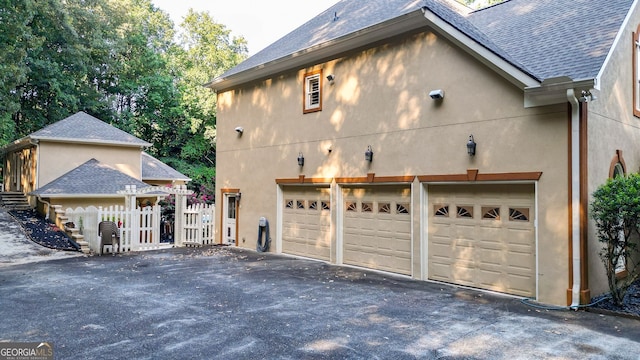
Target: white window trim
309,92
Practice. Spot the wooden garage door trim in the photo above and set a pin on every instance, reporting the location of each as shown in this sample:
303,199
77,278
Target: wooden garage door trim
474,175
303,180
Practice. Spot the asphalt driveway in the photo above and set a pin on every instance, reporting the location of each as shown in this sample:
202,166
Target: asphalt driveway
227,303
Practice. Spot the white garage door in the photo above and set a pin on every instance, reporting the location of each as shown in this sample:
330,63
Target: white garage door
306,223
483,236
377,228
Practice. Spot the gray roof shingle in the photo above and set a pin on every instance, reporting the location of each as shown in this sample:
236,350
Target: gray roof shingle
542,38
154,169
90,178
555,37
82,127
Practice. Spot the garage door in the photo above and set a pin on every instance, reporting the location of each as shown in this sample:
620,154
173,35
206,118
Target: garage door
306,223
377,228
483,236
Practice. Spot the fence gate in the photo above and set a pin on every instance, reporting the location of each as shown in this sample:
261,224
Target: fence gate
140,227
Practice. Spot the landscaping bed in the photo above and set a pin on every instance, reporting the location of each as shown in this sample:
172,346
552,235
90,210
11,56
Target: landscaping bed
43,232
630,306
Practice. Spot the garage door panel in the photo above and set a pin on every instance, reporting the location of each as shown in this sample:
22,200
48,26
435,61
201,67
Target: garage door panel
485,234
377,228
306,224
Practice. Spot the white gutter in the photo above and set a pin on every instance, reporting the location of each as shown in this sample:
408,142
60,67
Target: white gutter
575,196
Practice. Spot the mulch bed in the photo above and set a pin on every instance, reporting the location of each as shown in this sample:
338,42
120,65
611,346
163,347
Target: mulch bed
42,232
630,305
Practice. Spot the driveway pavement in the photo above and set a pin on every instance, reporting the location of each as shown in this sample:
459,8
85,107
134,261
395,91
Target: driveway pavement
228,303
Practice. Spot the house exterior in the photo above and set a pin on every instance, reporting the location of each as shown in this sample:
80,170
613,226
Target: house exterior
422,138
82,161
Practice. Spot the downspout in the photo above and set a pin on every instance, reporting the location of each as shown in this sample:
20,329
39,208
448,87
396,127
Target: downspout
575,197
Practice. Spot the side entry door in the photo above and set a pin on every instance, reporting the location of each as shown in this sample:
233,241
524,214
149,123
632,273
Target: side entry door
230,210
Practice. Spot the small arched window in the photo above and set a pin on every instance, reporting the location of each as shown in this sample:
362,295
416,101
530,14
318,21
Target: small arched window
617,167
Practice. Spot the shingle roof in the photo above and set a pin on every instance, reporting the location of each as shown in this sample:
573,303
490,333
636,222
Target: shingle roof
82,127
555,37
353,15
90,178
154,169
542,38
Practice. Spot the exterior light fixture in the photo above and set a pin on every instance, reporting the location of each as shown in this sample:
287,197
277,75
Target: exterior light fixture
239,130
437,94
471,146
300,159
331,78
368,155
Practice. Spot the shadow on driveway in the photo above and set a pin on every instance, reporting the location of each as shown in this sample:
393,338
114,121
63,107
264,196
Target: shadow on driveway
228,303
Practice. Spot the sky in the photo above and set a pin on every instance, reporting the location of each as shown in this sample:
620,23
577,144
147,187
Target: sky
259,22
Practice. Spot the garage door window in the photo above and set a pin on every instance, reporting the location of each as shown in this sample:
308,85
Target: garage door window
402,209
384,208
351,206
465,212
313,205
367,207
289,204
491,213
518,214
441,210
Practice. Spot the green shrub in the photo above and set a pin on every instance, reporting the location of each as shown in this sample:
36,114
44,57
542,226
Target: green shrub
616,211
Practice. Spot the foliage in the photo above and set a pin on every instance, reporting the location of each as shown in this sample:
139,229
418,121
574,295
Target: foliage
201,195
118,60
616,211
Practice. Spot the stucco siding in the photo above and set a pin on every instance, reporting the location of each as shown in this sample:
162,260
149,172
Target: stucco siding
57,159
612,128
380,98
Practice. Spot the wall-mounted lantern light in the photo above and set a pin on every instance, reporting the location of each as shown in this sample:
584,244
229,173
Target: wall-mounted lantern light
300,159
471,146
238,196
368,155
239,130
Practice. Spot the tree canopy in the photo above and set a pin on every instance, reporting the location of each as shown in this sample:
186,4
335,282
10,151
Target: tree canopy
121,61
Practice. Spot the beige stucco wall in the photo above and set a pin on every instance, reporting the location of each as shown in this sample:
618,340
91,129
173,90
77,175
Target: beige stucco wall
612,126
380,98
57,159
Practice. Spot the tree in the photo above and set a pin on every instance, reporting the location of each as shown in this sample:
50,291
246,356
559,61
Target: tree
206,50
117,60
15,39
616,211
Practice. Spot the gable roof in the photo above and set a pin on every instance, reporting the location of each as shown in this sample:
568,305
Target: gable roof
542,39
154,169
555,38
84,128
93,179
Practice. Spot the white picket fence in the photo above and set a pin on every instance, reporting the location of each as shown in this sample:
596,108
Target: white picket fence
140,228
198,226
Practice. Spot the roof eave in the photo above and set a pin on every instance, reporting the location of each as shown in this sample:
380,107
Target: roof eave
91,142
554,91
165,179
410,21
